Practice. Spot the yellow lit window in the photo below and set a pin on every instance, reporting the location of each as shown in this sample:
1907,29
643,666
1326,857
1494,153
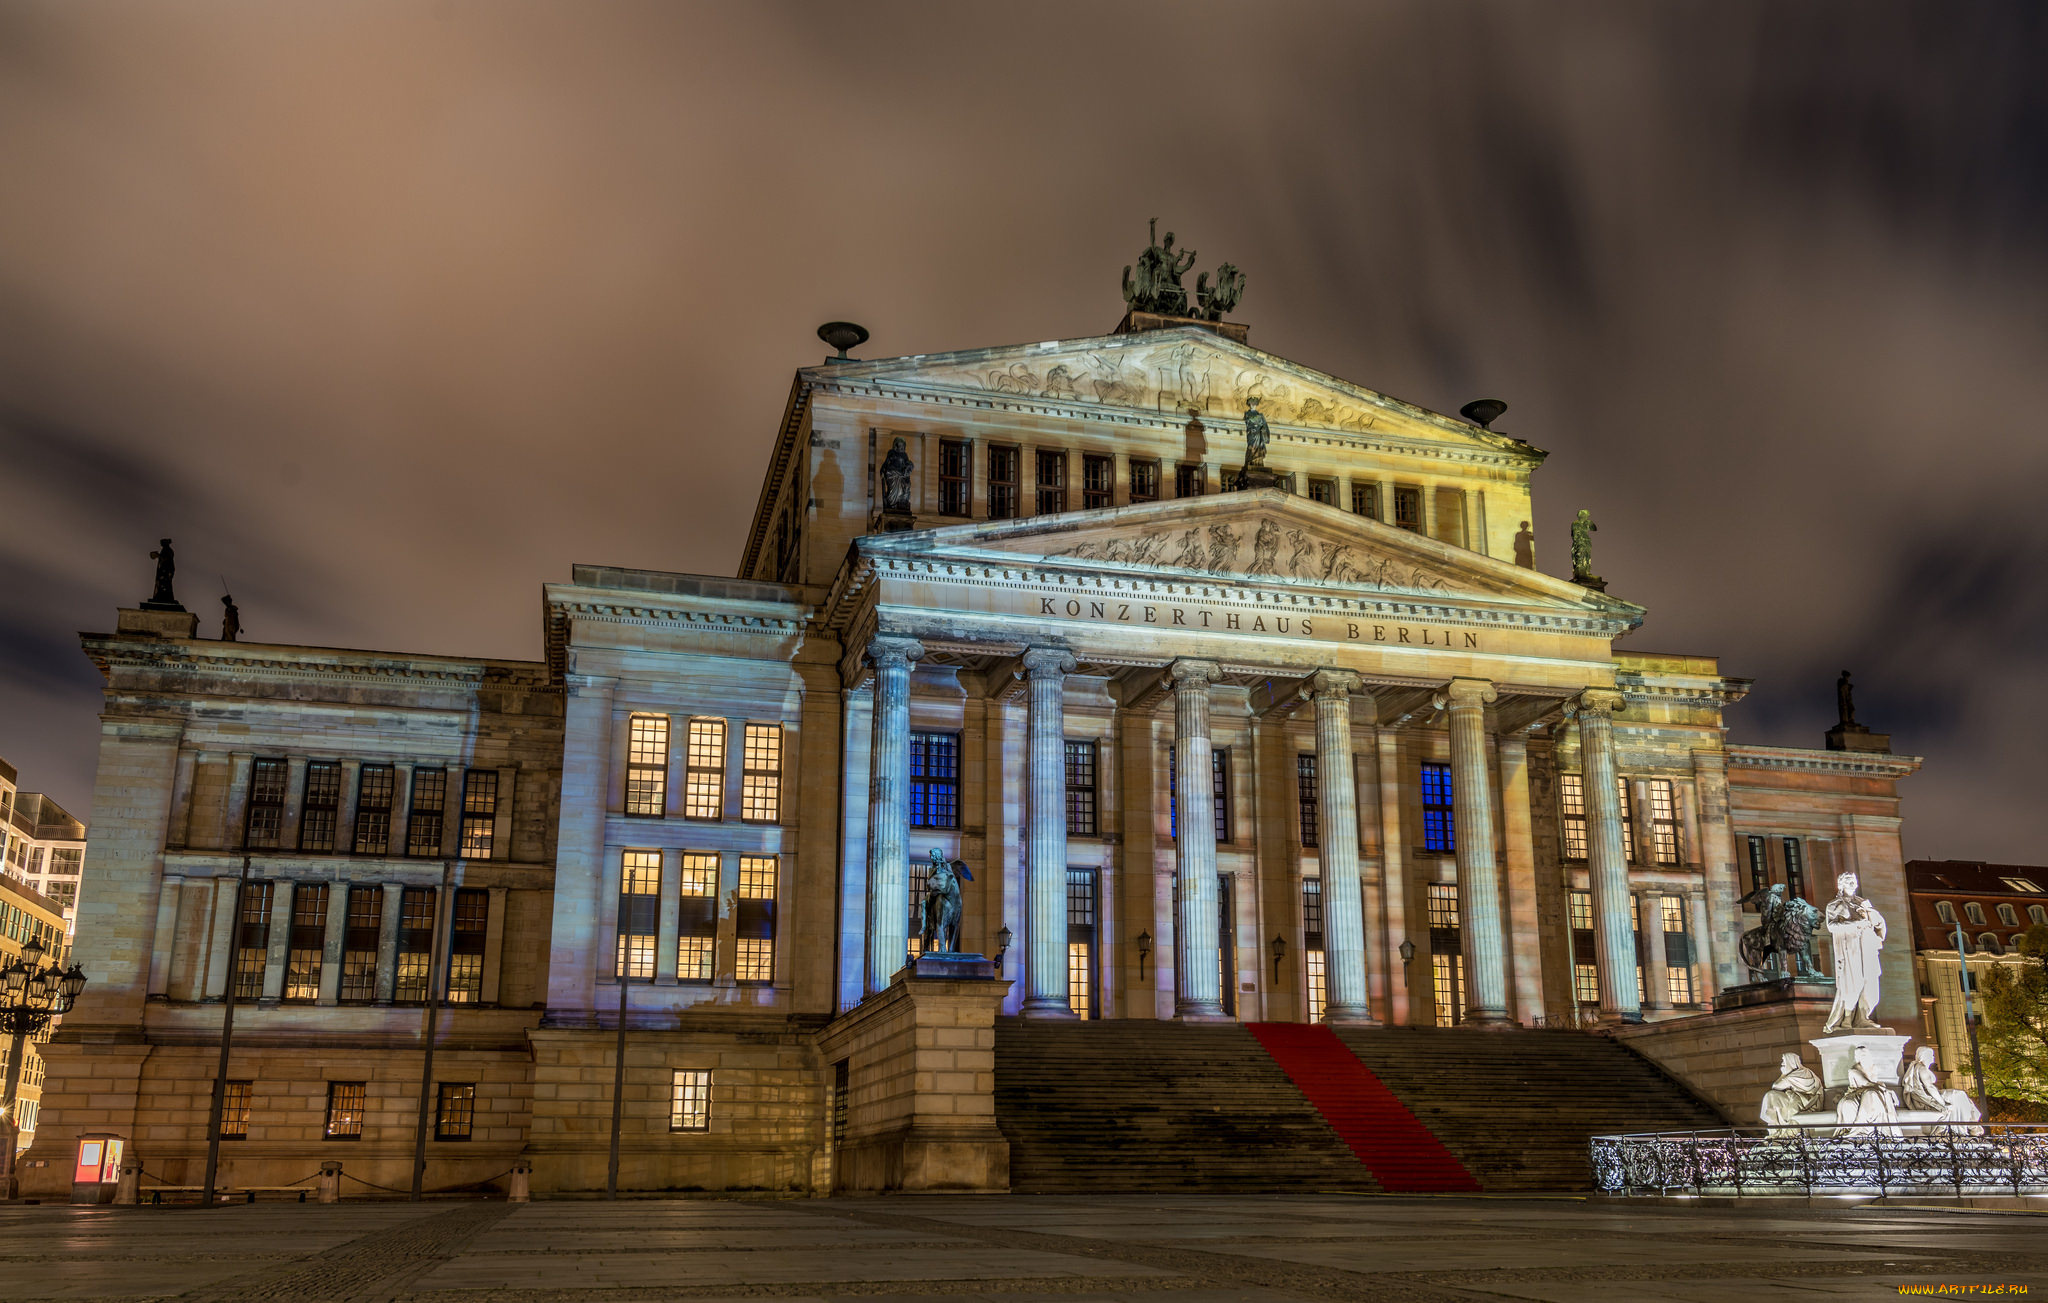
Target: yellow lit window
647,766
1318,986
761,774
697,917
1078,973
754,919
639,914
704,791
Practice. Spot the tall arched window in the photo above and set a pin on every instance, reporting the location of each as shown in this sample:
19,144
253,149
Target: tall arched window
2008,916
1944,911
1988,943
1973,912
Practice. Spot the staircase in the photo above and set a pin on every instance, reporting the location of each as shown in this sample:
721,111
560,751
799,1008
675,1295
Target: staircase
1135,1104
1517,1107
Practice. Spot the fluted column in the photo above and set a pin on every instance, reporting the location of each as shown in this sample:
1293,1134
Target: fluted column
1486,986
1197,992
889,811
1656,971
1393,873
1518,861
1337,840
1614,943
1045,854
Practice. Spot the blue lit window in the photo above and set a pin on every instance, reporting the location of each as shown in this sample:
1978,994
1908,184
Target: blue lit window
935,780
1438,832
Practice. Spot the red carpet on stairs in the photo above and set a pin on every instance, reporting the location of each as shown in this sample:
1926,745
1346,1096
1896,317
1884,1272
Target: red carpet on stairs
1402,1154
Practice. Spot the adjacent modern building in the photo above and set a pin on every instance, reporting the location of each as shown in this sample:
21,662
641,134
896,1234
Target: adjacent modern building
1993,904
1331,747
26,916
45,846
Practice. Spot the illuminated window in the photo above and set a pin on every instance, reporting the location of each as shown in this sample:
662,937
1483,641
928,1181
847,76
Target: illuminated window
1312,946
935,780
307,943
345,1102
639,914
1305,799
1663,821
468,932
1628,819
1439,821
920,887
429,803
266,802
1052,482
697,917
359,943
479,813
647,765
1586,982
689,1099
761,774
1097,474
1677,950
1189,482
65,862
454,1109
1081,942
1365,500
415,944
252,939
754,920
704,782
1446,951
1144,481
374,788
322,806
234,1109
1571,799
1081,793
955,477
2027,885
1002,483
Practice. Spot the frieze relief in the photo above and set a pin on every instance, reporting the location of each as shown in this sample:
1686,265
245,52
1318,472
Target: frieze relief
1267,549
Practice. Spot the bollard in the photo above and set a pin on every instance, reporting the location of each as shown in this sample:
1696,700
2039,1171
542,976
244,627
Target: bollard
330,1182
129,1191
520,1188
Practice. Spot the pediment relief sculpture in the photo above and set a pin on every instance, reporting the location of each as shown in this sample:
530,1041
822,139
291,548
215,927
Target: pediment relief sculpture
1263,547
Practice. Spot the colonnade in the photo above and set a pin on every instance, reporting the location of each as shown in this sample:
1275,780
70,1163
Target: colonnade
1197,970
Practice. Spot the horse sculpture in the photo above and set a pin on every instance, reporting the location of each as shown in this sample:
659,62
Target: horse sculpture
941,933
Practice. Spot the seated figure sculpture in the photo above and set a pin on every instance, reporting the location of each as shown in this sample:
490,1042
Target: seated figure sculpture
1867,1103
1796,1091
1923,1090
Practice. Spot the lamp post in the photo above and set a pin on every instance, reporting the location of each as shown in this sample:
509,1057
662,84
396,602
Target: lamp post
31,995
1144,950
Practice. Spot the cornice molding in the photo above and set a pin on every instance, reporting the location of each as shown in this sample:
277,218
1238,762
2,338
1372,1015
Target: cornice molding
1869,764
319,665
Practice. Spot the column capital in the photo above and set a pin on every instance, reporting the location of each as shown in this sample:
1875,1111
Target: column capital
1340,684
584,684
1603,701
1193,674
1467,692
1047,662
883,648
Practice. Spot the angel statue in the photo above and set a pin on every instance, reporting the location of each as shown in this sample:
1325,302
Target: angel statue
941,935
1784,933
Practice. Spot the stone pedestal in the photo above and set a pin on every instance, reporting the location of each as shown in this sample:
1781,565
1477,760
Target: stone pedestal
1730,1057
920,1112
160,622
1260,477
1855,737
1838,1055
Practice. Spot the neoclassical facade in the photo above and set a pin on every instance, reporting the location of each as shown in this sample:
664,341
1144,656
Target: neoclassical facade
1329,748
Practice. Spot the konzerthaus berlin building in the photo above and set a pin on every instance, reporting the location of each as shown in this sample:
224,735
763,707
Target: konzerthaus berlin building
1329,748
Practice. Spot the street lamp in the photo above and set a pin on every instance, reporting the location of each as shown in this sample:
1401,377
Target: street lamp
31,995
1003,939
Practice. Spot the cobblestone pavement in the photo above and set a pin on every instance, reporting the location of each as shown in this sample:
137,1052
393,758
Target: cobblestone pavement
1161,1249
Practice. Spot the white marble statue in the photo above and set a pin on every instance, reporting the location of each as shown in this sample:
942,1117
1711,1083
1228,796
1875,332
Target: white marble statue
1868,1102
1858,931
1796,1091
1923,1090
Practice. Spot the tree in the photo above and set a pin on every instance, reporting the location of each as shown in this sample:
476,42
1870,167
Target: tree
2014,1034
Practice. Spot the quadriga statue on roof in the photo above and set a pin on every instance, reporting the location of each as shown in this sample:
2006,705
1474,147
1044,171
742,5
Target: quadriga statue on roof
1153,283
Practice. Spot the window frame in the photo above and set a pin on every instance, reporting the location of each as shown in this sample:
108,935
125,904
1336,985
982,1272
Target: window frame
1663,823
647,760
426,826
1098,481
637,925
689,1099
360,1091
754,920
761,784
444,1093
956,477
307,935
236,1103
477,835
1571,817
1049,495
1439,817
320,806
1308,801
1083,782
704,783
1190,480
928,786
697,917
373,822
1323,489
1150,468
1365,500
1408,495
369,921
263,816
1005,481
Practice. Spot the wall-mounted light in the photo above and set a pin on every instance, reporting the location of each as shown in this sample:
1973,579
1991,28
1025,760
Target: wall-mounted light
1003,939
1407,951
1279,949
1144,950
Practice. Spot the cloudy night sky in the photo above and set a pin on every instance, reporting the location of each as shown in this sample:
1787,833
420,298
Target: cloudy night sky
389,313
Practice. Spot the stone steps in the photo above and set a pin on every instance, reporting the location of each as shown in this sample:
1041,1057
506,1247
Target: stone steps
1142,1105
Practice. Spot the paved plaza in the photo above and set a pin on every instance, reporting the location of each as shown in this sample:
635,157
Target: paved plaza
1173,1249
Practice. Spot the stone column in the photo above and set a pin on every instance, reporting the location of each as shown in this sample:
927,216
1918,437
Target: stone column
227,917
1486,996
387,941
282,891
889,812
1045,818
1723,877
1197,993
181,800
1518,855
1700,924
1614,946
1650,925
1337,839
1393,874
333,942
345,807
165,939
494,946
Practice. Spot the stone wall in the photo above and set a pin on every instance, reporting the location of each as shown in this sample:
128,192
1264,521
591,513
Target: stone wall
1730,1057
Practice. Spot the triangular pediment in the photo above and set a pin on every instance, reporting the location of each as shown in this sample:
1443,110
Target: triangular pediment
1262,537
1179,373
